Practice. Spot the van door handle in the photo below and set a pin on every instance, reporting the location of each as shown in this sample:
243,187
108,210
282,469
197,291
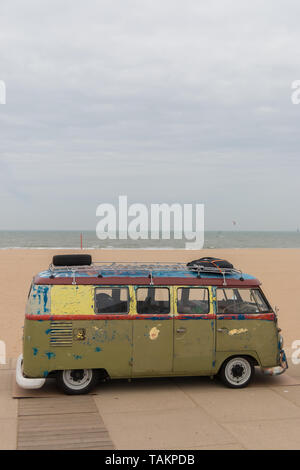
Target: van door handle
222,330
181,330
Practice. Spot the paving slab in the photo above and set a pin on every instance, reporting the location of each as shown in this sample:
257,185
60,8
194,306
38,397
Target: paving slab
281,434
8,406
293,370
8,433
157,429
291,394
141,395
10,365
235,446
248,404
5,379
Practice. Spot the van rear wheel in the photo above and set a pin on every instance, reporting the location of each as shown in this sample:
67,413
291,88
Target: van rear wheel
237,372
76,381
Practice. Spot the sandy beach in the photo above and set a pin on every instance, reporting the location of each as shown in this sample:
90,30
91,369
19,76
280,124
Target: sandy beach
277,269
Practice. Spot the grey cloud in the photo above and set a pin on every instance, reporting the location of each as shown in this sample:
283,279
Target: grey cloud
163,101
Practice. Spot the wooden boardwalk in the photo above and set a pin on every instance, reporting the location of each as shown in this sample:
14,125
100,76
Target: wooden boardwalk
67,422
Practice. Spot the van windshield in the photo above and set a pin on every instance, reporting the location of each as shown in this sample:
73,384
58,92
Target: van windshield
241,301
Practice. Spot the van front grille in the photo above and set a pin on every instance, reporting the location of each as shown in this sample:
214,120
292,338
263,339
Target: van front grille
61,333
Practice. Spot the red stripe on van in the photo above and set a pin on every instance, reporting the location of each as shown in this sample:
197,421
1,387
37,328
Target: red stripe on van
97,317
145,281
263,316
246,316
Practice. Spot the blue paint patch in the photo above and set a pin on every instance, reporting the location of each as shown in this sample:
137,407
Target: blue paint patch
45,373
50,355
188,317
97,349
39,302
35,351
140,272
48,331
77,357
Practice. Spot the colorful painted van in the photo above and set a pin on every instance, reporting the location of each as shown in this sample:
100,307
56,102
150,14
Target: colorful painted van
88,321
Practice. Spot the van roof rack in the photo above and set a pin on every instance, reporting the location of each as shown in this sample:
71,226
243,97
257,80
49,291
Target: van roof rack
106,268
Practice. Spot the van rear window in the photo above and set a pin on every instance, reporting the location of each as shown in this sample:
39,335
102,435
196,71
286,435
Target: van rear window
153,300
111,300
241,301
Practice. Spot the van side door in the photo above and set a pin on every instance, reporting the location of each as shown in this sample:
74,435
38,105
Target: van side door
153,331
194,331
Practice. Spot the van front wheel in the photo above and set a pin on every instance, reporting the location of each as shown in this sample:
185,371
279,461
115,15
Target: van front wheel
77,381
237,372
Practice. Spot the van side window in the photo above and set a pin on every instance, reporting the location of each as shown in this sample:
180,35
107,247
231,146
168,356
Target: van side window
192,300
111,300
153,300
241,301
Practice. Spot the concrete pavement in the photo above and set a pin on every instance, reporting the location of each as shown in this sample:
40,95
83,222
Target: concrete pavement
184,413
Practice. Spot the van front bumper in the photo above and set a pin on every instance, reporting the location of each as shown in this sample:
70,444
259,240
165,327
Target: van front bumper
277,370
25,382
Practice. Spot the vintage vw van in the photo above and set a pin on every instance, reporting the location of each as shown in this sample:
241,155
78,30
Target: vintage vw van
86,321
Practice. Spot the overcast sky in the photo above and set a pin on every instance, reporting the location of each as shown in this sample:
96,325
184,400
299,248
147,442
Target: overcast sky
162,101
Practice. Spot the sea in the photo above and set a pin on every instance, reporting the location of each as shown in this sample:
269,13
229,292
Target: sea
212,240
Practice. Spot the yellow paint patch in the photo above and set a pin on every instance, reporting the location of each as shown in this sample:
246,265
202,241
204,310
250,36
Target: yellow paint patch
154,332
237,332
132,305
72,300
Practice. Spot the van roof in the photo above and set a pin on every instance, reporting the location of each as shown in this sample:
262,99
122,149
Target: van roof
143,274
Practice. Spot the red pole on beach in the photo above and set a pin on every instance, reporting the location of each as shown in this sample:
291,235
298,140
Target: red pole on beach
81,240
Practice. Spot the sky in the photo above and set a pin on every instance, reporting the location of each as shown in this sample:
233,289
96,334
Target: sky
163,101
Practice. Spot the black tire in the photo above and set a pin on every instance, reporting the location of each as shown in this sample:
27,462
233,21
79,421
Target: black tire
72,260
76,382
237,372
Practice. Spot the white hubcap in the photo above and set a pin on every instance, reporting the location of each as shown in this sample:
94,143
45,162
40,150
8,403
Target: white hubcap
77,379
237,371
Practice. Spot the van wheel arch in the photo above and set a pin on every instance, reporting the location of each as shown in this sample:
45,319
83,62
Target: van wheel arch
246,356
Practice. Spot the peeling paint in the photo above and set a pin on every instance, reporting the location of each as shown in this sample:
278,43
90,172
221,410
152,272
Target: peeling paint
153,333
237,332
77,357
50,355
39,300
75,300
